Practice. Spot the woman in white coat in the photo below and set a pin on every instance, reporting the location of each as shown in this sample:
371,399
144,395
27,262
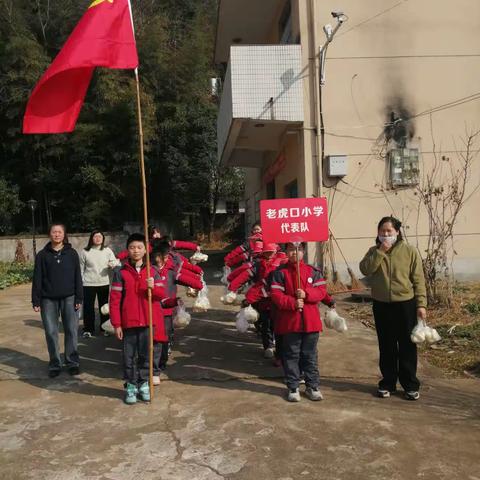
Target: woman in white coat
96,260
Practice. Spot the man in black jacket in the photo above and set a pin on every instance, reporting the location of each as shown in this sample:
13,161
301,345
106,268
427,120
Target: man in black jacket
57,289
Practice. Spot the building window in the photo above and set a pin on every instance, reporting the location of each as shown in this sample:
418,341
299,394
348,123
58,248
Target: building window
291,190
285,24
271,190
403,166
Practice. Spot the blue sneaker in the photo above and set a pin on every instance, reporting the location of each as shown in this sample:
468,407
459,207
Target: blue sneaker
130,394
144,392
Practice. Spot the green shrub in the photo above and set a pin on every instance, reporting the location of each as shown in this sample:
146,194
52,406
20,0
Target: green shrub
15,274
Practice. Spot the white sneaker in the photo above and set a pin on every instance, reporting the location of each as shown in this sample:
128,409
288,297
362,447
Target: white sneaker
293,395
268,353
314,394
156,380
86,335
412,395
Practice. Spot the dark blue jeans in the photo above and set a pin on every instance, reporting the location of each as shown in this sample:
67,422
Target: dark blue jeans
51,309
299,354
136,355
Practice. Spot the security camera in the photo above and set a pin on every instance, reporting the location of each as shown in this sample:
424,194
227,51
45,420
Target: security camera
328,30
340,16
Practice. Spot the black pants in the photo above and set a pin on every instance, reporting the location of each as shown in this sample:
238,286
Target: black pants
398,354
299,354
278,346
89,295
160,349
135,355
266,327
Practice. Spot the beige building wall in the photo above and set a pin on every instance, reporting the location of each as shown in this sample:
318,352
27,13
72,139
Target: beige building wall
416,55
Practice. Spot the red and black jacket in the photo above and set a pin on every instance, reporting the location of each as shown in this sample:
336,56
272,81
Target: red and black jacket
129,300
283,284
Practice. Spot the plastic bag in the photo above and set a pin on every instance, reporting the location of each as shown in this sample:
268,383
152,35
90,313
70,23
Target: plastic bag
105,309
182,317
422,333
229,298
202,303
250,314
241,323
226,272
191,292
418,334
108,327
335,321
198,257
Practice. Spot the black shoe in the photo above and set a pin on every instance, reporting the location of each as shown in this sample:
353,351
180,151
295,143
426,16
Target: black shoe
53,373
74,370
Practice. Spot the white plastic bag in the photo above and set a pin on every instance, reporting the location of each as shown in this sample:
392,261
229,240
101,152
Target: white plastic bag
108,327
431,335
105,309
229,298
226,272
182,317
418,334
250,314
202,303
241,323
198,257
335,321
191,292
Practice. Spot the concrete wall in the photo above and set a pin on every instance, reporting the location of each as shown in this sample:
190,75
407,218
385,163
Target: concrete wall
116,241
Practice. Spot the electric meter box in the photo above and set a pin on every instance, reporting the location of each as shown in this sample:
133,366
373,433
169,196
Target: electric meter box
337,165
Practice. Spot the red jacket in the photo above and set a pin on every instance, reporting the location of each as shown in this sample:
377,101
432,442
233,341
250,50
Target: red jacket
259,292
172,279
235,273
287,319
181,245
242,252
182,263
129,300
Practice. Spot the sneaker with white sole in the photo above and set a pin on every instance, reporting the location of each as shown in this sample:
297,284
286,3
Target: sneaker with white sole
268,353
130,394
293,395
144,392
314,394
86,335
156,380
412,395
383,393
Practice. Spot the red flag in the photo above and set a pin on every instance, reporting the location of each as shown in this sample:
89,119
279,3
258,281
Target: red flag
103,38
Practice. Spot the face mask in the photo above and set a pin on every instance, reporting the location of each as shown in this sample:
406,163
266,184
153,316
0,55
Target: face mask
390,240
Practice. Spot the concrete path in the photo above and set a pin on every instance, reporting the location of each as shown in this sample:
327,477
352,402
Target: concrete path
222,413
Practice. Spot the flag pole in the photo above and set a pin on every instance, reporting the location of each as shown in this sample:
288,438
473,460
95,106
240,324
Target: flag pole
147,241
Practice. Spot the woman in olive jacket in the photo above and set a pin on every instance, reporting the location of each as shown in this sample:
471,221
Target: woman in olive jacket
399,297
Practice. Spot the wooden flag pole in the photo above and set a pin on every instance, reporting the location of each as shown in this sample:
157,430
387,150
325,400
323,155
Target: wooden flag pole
147,241
299,282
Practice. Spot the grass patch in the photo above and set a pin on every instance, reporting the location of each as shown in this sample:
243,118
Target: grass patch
15,274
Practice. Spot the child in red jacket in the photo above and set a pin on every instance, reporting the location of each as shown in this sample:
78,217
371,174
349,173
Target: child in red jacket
171,277
129,316
297,319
